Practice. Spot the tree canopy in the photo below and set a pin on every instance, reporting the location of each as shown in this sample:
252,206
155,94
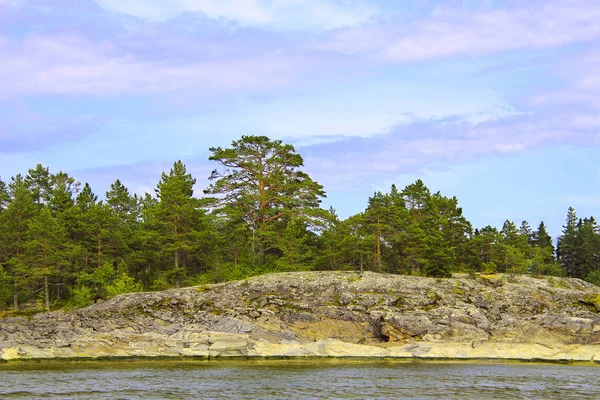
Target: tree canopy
261,183
61,244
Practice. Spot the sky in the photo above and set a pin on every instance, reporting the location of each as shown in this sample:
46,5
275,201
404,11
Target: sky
496,102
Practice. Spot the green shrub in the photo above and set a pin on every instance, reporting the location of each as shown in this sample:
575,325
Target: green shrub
489,268
594,277
123,284
6,292
82,296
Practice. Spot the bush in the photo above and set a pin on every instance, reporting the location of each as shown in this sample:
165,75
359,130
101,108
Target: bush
123,284
489,268
97,281
594,277
224,272
553,269
5,289
82,296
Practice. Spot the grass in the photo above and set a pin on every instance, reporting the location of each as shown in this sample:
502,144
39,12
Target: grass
593,300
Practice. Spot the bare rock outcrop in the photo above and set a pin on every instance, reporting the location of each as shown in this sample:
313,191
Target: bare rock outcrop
327,314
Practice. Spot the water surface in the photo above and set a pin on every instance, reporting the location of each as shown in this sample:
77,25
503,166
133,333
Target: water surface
296,379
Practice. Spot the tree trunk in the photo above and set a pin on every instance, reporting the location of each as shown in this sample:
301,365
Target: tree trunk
47,293
148,280
176,268
394,266
15,297
99,252
59,287
261,251
361,265
378,247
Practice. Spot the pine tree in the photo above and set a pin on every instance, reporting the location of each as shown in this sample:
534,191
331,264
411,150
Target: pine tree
263,181
86,198
44,251
122,202
526,240
63,189
13,237
297,251
567,246
525,231
4,195
102,229
486,244
38,181
175,214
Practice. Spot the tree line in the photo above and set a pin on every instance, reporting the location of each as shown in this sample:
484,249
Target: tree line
60,245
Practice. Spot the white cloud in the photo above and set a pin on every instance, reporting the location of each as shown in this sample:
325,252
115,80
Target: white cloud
287,14
450,32
72,66
580,89
411,148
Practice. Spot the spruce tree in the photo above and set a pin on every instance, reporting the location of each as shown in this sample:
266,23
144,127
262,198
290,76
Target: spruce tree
542,240
175,215
587,248
122,203
567,243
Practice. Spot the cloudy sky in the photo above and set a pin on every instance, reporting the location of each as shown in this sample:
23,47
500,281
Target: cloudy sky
494,101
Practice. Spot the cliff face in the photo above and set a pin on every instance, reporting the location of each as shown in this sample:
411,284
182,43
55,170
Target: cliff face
328,314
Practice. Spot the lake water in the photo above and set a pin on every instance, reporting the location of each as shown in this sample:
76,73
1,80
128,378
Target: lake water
296,379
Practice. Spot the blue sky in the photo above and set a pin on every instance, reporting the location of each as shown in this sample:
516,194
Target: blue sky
496,102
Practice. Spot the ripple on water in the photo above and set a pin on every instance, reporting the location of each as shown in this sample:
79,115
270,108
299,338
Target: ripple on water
299,379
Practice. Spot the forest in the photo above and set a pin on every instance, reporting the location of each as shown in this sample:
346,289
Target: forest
63,246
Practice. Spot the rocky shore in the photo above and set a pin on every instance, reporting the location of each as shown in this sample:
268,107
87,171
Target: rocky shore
328,314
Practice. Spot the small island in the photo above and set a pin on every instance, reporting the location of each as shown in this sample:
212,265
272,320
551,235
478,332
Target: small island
256,268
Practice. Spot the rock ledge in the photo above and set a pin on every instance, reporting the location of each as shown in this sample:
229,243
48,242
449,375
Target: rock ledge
328,314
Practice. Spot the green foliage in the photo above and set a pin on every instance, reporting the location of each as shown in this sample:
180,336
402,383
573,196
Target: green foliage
593,300
4,195
593,277
123,284
5,288
567,246
514,260
457,290
97,280
82,296
223,272
60,245
262,188
557,283
489,268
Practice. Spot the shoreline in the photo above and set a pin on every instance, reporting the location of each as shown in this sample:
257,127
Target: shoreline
242,347
325,315
249,361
